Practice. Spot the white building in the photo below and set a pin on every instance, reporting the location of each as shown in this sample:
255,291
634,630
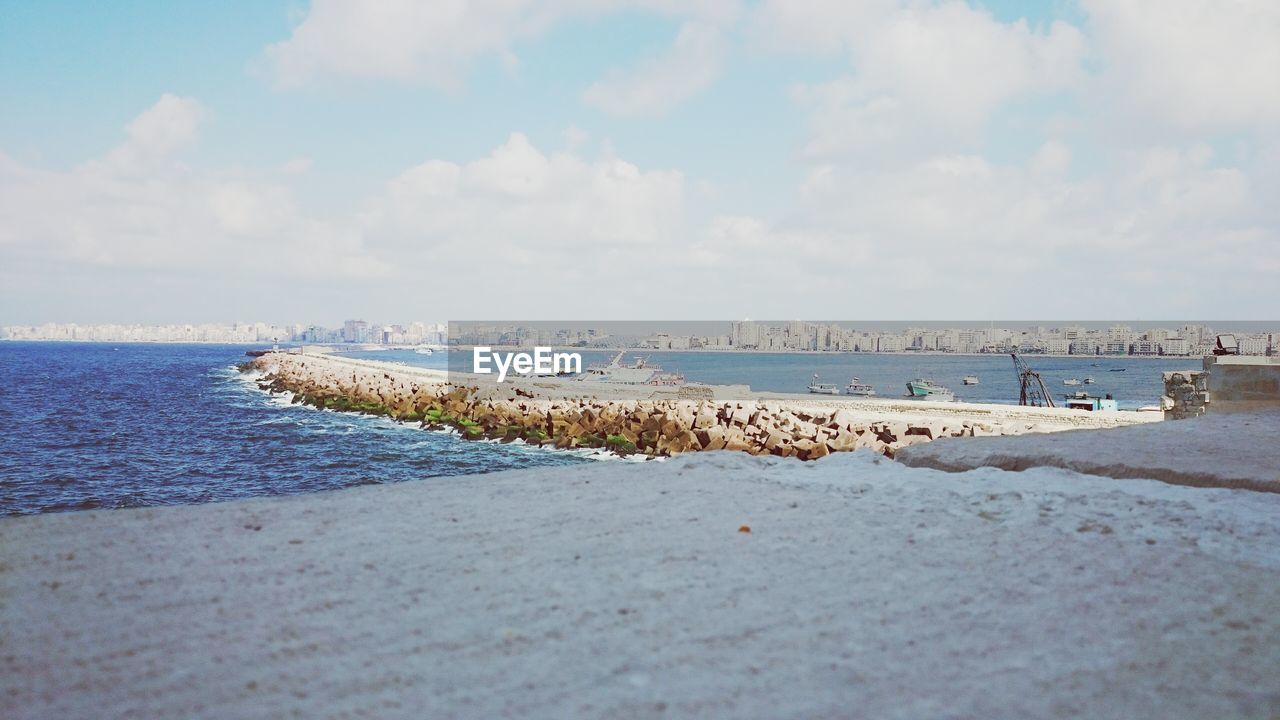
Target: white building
891,343
1253,344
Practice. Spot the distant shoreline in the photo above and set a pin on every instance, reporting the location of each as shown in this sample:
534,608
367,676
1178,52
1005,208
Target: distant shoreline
145,342
822,353
826,353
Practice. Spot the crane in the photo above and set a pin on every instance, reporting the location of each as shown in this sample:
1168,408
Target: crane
1033,391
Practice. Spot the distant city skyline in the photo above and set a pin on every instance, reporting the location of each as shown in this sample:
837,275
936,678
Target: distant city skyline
303,159
1115,338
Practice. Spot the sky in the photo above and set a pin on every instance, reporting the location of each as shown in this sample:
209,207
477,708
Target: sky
638,159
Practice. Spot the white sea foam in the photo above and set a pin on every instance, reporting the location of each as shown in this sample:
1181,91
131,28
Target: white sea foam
250,379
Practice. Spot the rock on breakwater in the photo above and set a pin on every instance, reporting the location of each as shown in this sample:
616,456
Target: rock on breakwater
670,422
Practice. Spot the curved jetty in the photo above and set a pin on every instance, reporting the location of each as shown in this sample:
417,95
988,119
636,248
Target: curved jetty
667,421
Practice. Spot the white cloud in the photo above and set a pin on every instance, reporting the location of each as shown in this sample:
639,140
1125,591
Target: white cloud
400,39
562,231
816,26
960,64
522,231
1191,65
530,217
923,77
169,124
1052,158
245,210
959,235
296,166
575,137
901,196
434,41
689,66
139,208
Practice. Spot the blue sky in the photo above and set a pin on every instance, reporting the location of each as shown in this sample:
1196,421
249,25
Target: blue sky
874,159
81,72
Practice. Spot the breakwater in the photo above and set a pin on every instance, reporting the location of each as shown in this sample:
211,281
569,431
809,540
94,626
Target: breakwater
669,421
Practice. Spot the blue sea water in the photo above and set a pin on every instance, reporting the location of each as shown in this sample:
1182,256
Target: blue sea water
101,425
119,425
1136,382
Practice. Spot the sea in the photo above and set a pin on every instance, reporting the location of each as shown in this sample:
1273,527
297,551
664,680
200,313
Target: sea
102,425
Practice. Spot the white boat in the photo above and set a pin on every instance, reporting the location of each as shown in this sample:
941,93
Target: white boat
640,372
971,380
1089,381
1071,381
822,388
857,387
424,350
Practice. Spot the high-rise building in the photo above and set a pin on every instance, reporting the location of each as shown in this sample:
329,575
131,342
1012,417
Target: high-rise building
355,331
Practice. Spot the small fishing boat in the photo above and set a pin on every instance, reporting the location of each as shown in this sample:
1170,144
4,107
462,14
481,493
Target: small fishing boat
424,350
1084,401
822,388
924,388
857,387
1089,380
1116,369
971,380
1071,381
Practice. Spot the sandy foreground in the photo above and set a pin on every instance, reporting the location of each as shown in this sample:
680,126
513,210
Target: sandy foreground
863,589
1227,450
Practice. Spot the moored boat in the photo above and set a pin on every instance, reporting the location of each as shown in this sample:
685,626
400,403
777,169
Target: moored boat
820,388
640,372
857,387
971,380
1084,401
1071,381
925,388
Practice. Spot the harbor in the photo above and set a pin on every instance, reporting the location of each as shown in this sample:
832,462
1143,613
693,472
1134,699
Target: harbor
885,375
618,409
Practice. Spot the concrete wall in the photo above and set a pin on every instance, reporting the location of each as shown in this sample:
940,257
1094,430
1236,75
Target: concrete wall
1239,383
1229,383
